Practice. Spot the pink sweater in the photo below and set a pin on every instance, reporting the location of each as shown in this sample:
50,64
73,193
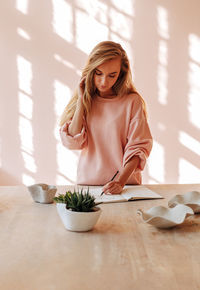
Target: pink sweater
115,131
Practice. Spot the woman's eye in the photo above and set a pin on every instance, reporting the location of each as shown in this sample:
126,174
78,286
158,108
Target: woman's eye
100,74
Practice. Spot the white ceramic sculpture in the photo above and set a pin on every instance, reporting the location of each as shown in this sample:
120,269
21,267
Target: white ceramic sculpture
78,221
162,217
42,193
191,199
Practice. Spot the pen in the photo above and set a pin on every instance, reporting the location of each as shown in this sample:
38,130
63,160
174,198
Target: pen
111,180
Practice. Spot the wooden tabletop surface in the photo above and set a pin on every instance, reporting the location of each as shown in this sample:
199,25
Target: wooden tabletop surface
121,252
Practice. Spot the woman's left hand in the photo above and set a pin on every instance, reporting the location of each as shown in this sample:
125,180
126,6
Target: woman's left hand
113,187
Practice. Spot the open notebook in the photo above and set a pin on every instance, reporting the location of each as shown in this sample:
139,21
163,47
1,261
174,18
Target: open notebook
129,192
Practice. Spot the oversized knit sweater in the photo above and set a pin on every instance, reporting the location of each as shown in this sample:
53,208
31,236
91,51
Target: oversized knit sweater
115,130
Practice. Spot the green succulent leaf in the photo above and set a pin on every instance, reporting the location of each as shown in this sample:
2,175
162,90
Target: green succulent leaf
78,200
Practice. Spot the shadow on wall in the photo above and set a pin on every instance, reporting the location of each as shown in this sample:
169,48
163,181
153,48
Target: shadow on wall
43,55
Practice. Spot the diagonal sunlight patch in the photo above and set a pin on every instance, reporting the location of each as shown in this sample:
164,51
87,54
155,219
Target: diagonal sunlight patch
189,142
95,8
66,159
26,138
156,163
67,64
63,19
62,95
163,22
25,105
121,24
29,162
194,48
194,81
26,135
25,74
163,53
194,94
25,102
27,179
162,74
22,6
124,6
23,33
162,80
67,164
188,173
89,31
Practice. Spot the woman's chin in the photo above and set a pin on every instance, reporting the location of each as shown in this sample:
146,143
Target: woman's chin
105,92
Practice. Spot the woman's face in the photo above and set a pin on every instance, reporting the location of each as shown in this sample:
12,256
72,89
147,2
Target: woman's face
106,75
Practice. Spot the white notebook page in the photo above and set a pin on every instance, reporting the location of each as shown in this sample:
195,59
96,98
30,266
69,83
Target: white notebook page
129,192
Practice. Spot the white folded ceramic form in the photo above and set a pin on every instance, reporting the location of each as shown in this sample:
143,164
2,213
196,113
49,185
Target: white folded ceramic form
162,217
42,193
191,199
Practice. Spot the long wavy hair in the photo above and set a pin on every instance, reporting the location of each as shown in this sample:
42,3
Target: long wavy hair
101,53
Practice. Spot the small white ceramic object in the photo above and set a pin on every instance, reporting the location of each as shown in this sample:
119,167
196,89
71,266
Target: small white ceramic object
42,193
162,217
191,199
78,221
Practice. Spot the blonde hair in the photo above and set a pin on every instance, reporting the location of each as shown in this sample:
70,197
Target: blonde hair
101,53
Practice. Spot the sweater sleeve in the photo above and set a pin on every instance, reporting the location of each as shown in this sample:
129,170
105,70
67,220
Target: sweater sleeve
76,142
139,141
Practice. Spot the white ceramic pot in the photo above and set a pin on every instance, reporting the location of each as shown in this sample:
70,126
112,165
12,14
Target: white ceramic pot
78,221
42,193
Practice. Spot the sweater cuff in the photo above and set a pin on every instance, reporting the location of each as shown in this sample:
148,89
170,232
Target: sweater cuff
72,142
75,137
141,156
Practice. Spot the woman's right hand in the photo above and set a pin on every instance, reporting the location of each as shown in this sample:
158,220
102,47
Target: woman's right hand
81,88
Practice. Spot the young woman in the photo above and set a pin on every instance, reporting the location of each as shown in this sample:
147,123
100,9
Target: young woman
106,120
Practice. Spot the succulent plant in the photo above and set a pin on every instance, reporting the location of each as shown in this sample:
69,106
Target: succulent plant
61,198
77,200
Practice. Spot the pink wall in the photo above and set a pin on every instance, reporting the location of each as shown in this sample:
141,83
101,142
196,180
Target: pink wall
44,45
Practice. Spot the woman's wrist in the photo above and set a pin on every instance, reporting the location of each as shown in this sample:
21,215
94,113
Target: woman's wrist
122,180
129,168
79,105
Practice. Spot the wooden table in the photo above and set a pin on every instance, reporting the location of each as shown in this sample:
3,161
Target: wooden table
122,252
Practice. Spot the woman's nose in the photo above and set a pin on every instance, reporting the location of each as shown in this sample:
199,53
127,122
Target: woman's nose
103,81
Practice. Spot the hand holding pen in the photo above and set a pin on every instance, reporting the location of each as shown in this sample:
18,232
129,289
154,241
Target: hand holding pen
111,180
